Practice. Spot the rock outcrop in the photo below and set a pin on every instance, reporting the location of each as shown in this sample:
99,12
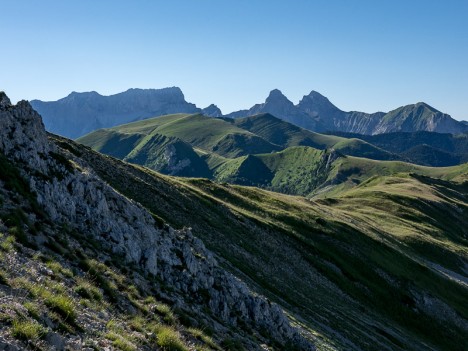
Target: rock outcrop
71,193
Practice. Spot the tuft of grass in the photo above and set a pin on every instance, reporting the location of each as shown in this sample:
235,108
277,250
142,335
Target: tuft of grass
138,323
169,339
166,312
200,335
63,305
58,269
7,244
88,291
27,330
33,309
120,342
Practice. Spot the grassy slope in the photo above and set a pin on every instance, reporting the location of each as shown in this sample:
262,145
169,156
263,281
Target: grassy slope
286,134
220,141
355,266
205,133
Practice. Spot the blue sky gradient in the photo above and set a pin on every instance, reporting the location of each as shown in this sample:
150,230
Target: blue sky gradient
363,55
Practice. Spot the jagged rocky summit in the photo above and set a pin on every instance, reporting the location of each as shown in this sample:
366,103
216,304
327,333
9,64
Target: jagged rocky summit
71,193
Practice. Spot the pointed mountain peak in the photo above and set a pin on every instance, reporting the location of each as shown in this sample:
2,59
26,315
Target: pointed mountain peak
314,93
316,102
276,94
4,100
316,97
424,105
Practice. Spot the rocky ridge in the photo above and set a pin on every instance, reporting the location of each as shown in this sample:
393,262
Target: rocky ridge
72,194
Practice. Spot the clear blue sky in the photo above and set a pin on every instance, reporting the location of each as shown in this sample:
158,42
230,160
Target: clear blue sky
366,55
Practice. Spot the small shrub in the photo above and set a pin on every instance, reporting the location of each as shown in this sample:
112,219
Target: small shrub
27,330
169,339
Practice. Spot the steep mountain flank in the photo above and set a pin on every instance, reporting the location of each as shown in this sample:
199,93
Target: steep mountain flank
379,265
57,193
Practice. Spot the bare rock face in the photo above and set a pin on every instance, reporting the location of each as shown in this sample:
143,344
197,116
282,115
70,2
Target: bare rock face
71,193
22,134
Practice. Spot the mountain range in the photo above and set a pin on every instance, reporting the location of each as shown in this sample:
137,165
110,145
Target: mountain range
80,113
97,253
315,112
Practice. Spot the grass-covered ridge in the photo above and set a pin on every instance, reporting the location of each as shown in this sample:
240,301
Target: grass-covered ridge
377,261
261,151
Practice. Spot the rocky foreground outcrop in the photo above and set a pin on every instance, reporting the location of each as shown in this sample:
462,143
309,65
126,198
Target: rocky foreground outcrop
72,194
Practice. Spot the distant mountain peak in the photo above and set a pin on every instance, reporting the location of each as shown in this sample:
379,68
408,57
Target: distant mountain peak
275,93
85,93
212,111
277,97
316,98
425,105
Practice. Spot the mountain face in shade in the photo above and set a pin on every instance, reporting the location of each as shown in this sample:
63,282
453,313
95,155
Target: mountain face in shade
315,112
81,113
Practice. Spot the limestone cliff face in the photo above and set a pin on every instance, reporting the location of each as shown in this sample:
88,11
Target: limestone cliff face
71,193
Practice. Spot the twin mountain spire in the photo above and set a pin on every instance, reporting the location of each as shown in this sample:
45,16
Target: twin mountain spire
80,113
